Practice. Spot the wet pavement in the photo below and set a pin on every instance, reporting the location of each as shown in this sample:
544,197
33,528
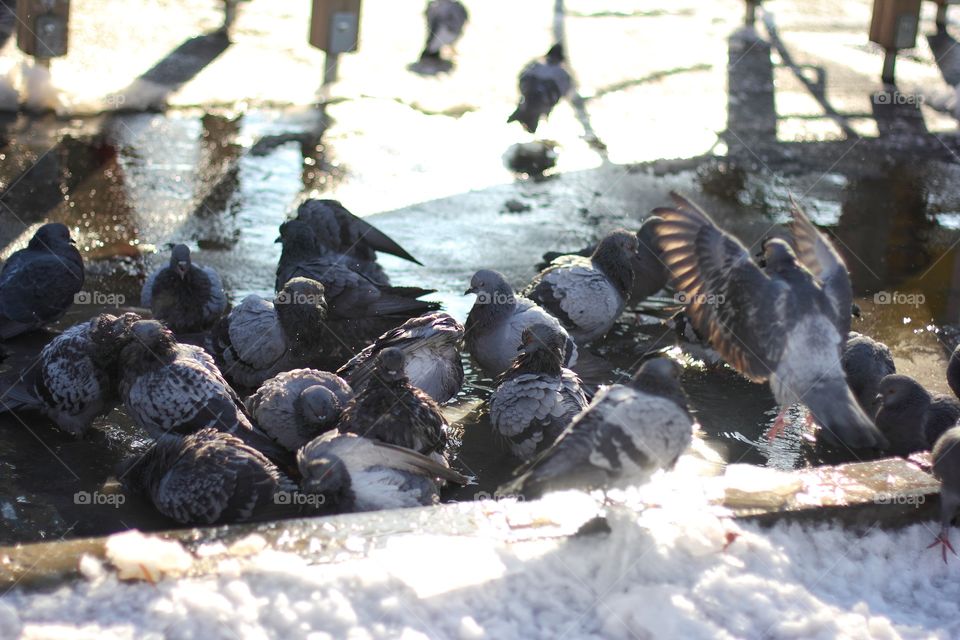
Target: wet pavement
739,121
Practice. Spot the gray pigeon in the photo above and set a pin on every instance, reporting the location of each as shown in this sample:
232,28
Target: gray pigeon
495,324
587,295
537,397
953,371
207,477
431,345
38,283
258,339
296,406
354,473
542,85
866,362
946,467
912,418
389,409
622,438
74,380
187,297
445,21
786,323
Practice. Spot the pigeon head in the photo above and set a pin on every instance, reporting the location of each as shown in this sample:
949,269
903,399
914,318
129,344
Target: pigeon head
491,288
180,260
325,474
318,406
110,334
49,235
778,255
542,337
137,473
898,392
151,344
301,309
614,257
555,55
660,377
389,366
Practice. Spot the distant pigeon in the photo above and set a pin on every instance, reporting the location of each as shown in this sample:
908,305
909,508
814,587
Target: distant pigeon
340,234
389,409
537,397
445,21
258,338
187,297
208,477
542,85
622,438
431,346
168,387
786,323
354,473
496,322
38,283
912,418
296,406
946,467
587,295
74,380
866,362
953,372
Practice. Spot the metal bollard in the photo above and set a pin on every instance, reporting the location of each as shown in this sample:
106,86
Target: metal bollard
42,28
894,26
334,28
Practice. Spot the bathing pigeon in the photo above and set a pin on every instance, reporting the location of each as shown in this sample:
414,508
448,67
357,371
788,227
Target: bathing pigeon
445,20
431,345
587,295
542,84
389,409
622,438
354,473
296,406
866,362
786,323
496,322
946,467
38,283
187,297
74,380
258,338
912,418
537,397
207,477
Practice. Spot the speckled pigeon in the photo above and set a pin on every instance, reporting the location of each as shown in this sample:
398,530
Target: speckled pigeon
496,322
389,409
38,283
912,418
542,85
946,467
866,362
431,346
786,323
75,377
207,477
536,398
296,406
258,338
445,21
622,438
354,473
187,297
587,295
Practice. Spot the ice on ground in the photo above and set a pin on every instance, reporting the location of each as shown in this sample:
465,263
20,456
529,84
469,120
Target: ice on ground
140,557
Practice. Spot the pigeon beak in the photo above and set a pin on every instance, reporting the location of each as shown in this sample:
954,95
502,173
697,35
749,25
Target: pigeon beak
278,240
879,398
469,291
182,269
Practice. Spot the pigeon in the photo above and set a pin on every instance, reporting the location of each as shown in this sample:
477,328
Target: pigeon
207,477
953,371
536,398
38,283
340,234
354,473
445,20
946,467
496,322
258,338
389,409
187,297
786,322
296,406
542,84
622,438
866,362
587,295
168,387
912,418
431,345
74,379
